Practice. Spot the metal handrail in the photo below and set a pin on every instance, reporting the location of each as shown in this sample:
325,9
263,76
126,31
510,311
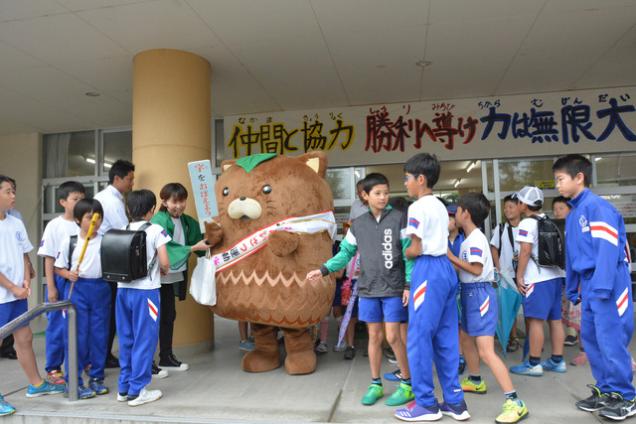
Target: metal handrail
71,314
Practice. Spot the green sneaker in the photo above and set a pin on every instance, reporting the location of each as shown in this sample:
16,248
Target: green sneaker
374,393
470,386
512,411
403,394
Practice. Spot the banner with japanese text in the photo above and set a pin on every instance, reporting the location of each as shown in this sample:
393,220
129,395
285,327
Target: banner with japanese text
548,124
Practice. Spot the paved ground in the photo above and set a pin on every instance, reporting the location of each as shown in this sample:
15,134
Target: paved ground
216,390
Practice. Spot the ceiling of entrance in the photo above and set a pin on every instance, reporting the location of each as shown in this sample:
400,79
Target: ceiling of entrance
272,55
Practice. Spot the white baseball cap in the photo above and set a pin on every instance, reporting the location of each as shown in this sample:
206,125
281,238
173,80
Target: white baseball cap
531,196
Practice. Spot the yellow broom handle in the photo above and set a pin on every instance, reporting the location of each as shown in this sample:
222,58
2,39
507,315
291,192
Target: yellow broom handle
89,234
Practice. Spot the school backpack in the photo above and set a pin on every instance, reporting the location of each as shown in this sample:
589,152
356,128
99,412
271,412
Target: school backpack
510,237
551,247
123,255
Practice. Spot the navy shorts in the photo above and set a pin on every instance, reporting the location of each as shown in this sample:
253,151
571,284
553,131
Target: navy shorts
382,309
479,309
337,298
11,310
543,300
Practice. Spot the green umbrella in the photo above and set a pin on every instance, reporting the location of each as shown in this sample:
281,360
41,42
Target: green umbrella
508,301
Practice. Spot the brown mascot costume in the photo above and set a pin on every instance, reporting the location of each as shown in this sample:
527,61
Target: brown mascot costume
276,224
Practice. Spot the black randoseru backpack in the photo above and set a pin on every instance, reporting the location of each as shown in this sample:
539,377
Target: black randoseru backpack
123,255
551,247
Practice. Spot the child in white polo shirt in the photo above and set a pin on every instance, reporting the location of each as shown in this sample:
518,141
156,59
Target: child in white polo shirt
540,287
91,297
15,288
479,307
138,304
57,231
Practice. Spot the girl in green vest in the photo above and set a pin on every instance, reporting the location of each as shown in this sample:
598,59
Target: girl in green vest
186,238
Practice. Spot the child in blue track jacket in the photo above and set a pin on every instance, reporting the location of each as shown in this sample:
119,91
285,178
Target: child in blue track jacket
597,261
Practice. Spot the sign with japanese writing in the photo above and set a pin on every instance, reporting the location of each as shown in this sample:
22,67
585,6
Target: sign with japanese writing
548,124
203,190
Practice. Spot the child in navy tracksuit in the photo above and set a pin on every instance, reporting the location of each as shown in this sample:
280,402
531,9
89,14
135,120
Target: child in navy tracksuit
55,233
597,262
90,297
433,319
138,305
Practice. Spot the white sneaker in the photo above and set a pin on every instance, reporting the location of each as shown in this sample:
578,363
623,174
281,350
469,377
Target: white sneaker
161,374
145,396
171,363
122,398
182,367
158,372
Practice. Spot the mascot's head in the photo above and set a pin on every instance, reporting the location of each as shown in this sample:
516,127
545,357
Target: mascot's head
259,190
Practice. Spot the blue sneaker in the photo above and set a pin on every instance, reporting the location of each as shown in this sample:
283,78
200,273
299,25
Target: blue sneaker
525,368
246,346
393,376
83,392
550,365
457,411
414,412
462,365
45,388
5,407
97,386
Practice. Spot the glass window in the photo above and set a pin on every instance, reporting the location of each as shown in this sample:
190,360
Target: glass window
219,142
339,179
615,170
49,200
490,175
514,174
394,173
69,154
51,203
625,204
456,178
117,145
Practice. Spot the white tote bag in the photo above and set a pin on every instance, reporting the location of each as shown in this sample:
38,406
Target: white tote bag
202,282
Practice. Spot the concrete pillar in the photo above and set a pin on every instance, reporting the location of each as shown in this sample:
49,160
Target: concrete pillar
171,127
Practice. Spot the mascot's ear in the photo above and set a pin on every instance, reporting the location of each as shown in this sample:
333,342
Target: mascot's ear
316,161
227,164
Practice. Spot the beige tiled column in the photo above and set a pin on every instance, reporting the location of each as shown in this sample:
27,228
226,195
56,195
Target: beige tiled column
171,127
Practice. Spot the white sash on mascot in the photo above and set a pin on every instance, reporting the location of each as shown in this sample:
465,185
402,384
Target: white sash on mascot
203,284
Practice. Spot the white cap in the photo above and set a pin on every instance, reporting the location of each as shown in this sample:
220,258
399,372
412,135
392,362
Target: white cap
531,196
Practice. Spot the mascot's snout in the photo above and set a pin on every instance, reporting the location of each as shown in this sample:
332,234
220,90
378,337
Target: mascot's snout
244,207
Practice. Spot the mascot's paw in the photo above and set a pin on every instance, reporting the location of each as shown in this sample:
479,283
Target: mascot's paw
266,354
259,361
213,233
299,363
283,243
301,358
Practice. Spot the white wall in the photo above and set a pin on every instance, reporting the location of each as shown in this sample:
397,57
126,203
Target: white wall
21,159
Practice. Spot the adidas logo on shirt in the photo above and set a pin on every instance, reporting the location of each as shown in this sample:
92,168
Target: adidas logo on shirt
387,248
